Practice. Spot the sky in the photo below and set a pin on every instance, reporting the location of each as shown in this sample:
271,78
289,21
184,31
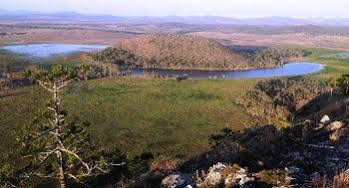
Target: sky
226,8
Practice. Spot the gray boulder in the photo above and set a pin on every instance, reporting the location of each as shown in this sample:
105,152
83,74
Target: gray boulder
215,177
178,181
241,178
325,119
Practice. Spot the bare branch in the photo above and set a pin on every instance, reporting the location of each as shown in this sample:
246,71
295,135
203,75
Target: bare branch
27,176
120,164
45,176
77,157
64,84
42,84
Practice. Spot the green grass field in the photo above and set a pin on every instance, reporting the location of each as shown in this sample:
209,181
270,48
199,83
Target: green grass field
333,67
144,115
141,115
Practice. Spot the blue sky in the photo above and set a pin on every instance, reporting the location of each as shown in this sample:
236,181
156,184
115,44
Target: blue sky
229,8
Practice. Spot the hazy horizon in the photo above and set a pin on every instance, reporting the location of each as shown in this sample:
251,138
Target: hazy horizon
160,8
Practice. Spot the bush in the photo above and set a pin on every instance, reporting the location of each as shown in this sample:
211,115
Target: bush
343,84
274,177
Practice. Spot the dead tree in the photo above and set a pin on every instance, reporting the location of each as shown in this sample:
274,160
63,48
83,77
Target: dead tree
58,137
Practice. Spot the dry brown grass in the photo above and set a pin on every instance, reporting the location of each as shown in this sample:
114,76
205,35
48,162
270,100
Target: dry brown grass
341,180
165,163
274,177
297,39
70,36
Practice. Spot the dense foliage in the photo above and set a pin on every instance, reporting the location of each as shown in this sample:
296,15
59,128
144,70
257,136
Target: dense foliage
280,100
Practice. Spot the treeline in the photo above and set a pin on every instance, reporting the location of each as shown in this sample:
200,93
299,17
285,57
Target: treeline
271,57
188,52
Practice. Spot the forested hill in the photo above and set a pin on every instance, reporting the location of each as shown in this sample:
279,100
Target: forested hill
189,52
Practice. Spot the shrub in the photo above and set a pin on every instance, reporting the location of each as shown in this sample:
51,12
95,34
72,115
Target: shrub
274,177
343,84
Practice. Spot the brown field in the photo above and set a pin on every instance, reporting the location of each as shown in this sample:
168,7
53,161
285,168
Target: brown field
71,36
296,40
111,34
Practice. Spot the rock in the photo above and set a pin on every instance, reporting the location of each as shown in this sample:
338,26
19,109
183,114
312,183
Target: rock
178,181
215,177
325,119
319,126
239,178
334,126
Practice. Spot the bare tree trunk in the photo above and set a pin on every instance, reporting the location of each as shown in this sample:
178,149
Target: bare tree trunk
59,146
60,170
331,92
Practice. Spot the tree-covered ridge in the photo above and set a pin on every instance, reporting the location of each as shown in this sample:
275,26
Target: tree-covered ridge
189,52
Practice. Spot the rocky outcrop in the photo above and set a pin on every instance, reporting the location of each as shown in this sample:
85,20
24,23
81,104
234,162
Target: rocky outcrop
311,152
215,175
241,178
178,180
334,126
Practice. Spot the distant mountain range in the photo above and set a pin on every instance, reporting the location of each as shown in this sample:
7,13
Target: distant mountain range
206,20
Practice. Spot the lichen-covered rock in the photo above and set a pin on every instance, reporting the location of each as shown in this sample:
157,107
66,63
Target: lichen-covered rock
336,125
325,119
215,175
178,181
240,178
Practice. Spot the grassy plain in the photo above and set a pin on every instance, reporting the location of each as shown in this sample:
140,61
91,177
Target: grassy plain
144,115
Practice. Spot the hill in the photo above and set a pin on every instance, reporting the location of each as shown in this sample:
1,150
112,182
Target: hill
190,52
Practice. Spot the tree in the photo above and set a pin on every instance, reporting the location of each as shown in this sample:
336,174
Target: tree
343,84
52,146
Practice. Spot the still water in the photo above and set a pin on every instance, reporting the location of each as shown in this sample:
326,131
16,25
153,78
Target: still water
291,69
48,50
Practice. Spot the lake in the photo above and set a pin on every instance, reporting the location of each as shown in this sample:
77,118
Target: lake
49,50
290,69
